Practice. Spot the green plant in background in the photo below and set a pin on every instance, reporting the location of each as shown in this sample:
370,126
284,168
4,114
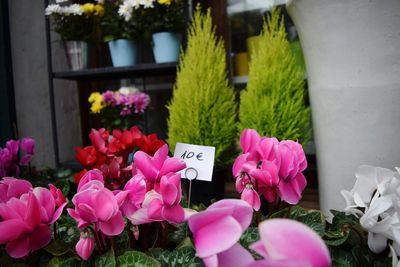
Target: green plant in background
273,102
202,109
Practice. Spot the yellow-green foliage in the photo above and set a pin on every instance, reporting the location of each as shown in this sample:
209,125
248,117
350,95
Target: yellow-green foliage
273,102
202,108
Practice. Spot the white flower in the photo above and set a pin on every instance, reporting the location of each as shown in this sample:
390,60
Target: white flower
375,199
74,9
52,9
147,3
127,90
125,11
134,3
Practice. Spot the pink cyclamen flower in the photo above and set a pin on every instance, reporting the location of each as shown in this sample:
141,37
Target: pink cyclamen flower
251,196
153,168
108,96
95,204
217,230
249,140
25,221
287,242
167,207
136,188
11,187
58,196
85,246
90,176
28,145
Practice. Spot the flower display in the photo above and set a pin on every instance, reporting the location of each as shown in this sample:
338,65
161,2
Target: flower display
10,160
157,15
75,22
26,215
270,168
119,109
374,199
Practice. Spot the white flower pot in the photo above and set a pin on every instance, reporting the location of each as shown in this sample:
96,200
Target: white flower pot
352,54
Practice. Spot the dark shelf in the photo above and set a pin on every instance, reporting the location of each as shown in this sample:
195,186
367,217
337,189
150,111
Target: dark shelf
112,73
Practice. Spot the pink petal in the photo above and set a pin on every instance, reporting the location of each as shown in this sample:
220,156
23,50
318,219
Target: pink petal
86,213
120,197
236,256
217,236
279,263
198,220
258,247
249,140
32,215
241,210
105,205
267,149
85,247
114,226
40,238
18,187
237,165
168,191
46,200
211,261
288,239
154,210
174,214
90,176
58,213
28,144
250,196
18,248
8,211
12,229
160,156
172,165
290,190
145,164
140,217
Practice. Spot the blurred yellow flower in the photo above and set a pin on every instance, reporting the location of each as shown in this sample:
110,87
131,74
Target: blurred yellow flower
88,8
97,102
98,10
164,2
95,97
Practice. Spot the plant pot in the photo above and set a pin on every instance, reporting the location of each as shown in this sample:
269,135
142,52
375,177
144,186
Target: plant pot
77,54
252,44
123,52
166,47
354,86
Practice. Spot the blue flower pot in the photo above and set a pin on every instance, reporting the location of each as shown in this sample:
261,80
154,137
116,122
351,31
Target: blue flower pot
166,47
123,52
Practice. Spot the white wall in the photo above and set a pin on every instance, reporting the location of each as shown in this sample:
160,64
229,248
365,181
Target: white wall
28,49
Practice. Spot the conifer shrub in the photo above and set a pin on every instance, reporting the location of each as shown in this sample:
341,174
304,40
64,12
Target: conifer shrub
273,102
202,110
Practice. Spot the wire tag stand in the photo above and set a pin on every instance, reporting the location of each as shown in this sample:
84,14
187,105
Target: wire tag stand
191,174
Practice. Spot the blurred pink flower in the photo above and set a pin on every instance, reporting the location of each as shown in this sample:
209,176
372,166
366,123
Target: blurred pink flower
136,188
251,196
85,246
287,242
11,187
217,230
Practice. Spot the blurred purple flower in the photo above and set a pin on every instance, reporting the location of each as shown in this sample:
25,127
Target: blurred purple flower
141,101
125,112
108,97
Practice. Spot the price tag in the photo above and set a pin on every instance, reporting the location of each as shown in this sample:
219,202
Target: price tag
199,161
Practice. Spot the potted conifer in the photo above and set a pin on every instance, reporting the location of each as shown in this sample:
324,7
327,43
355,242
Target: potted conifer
202,108
273,101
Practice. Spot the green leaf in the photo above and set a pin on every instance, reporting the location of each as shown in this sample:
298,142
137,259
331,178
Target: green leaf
187,242
336,242
65,262
249,237
57,248
295,212
341,219
315,220
136,259
184,257
106,260
180,234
